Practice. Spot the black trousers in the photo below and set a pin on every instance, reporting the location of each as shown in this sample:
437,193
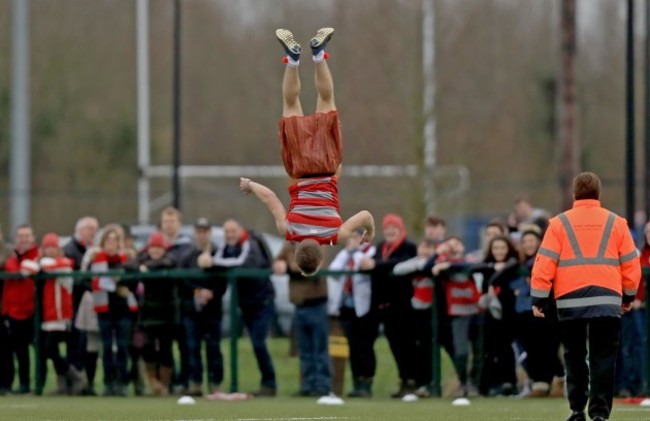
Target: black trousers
361,333
593,382
20,336
400,333
541,341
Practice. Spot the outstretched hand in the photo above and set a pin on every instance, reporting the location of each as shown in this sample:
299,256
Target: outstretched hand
245,185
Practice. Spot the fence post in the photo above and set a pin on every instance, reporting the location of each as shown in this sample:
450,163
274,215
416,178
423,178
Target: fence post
234,331
435,347
38,361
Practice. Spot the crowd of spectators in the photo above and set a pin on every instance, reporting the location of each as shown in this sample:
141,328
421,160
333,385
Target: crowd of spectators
483,319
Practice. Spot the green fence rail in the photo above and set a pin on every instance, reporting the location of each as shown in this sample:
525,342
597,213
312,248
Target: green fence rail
232,276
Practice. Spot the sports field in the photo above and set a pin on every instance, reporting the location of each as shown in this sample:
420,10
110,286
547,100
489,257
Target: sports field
284,408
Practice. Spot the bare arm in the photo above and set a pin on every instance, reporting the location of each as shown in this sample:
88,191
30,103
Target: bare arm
363,220
266,196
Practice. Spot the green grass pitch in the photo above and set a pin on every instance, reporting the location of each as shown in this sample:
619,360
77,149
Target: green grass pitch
287,408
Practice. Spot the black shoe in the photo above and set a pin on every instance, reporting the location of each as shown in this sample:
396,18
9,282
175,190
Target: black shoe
577,416
320,40
291,47
109,390
23,390
360,393
89,391
121,390
265,392
303,394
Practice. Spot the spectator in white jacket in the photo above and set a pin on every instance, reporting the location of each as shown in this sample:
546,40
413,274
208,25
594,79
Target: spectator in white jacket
350,297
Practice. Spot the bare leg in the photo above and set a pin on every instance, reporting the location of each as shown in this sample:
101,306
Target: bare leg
291,93
325,88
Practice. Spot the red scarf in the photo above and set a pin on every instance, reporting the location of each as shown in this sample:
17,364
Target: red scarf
389,248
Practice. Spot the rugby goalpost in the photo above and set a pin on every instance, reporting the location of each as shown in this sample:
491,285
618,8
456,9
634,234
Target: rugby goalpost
429,169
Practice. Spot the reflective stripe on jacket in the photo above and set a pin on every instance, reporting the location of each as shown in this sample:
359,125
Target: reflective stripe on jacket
589,257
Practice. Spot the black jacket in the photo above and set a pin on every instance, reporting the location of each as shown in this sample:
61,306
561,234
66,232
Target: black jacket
247,254
389,290
217,284
75,251
159,304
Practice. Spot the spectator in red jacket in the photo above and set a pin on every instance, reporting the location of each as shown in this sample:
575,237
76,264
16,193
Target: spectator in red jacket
57,317
18,304
5,356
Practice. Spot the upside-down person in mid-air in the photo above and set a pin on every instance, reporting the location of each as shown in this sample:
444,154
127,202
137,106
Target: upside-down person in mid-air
312,154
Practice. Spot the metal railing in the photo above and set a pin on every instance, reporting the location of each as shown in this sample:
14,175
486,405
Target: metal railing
232,276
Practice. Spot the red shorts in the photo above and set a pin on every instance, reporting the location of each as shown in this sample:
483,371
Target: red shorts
311,145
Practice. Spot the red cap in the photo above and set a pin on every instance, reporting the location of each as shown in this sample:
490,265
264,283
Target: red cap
157,239
50,240
393,219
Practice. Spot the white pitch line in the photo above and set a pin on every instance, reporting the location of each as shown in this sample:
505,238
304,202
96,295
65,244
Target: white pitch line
295,419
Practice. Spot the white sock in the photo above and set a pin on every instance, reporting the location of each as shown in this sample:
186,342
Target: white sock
319,57
292,63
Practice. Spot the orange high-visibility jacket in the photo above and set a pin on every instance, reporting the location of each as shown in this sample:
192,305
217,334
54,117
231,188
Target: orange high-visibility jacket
589,259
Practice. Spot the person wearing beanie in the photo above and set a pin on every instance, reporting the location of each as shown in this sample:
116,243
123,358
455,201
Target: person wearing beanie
18,306
159,315
57,317
391,297
312,152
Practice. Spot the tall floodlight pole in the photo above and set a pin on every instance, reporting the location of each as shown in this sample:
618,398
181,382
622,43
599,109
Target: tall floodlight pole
629,111
568,139
144,158
428,102
176,186
19,164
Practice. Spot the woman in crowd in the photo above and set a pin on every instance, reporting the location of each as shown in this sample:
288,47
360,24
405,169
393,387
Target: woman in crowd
500,267
115,306
159,313
538,337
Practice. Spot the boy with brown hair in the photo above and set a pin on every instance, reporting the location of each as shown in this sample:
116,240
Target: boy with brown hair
312,154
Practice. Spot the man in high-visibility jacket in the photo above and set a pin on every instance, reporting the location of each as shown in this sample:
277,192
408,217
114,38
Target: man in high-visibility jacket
589,260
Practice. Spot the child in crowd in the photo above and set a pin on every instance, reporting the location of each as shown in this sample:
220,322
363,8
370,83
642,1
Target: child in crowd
57,317
421,302
159,313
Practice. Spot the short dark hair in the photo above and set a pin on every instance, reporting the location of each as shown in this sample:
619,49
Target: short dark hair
586,185
434,221
498,223
309,257
23,226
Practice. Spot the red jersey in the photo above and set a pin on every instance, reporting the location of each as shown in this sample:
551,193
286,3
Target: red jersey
314,211
18,294
57,293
